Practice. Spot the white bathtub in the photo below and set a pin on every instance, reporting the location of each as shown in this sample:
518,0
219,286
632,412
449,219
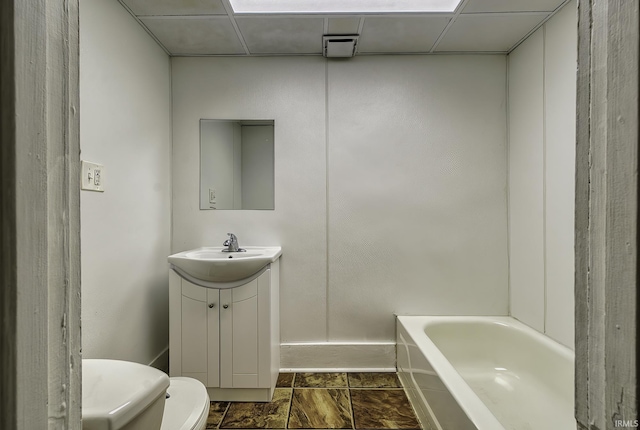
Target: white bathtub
485,373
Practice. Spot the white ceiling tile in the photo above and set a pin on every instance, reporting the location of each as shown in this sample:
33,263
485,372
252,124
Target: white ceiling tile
176,7
289,35
344,25
488,33
475,6
197,36
400,33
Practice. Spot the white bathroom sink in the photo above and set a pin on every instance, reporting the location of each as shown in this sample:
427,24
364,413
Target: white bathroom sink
212,264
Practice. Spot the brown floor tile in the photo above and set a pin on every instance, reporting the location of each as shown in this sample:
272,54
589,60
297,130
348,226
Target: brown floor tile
320,380
249,415
320,409
382,409
285,380
373,380
216,411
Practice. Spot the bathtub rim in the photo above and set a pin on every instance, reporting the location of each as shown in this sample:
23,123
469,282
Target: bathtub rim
475,409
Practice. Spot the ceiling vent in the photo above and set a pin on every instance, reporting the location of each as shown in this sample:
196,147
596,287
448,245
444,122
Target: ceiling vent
339,46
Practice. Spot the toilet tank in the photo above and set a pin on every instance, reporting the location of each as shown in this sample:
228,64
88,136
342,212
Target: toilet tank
121,395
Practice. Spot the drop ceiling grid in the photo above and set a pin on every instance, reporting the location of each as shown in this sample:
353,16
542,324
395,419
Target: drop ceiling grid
210,28
463,4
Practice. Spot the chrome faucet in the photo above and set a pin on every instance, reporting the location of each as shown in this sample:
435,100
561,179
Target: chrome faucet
232,244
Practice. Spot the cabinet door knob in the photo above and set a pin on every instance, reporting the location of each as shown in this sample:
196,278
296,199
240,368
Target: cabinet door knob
211,305
225,306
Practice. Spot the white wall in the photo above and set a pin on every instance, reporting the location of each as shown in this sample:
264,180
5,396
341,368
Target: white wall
390,176
125,125
542,86
417,202
526,182
290,90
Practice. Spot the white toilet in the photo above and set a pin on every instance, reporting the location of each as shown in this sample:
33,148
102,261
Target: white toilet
121,395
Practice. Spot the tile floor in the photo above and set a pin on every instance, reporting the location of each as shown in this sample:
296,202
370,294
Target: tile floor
322,401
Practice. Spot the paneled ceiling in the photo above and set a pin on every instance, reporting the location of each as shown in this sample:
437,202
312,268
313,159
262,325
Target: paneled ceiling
211,27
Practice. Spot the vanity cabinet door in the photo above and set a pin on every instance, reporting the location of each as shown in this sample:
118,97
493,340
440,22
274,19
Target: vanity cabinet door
239,336
242,319
194,331
200,333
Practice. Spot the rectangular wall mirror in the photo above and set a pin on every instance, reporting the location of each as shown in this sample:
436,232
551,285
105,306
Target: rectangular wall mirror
236,164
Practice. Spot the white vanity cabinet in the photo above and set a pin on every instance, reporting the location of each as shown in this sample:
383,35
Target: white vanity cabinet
227,338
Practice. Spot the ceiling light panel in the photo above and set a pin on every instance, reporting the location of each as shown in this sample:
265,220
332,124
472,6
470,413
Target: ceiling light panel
343,6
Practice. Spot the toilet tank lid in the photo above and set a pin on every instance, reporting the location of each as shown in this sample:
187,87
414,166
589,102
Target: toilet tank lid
114,391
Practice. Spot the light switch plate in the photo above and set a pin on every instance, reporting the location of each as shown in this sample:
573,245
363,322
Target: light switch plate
93,176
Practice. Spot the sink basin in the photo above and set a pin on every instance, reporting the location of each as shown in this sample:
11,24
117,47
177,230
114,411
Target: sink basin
213,265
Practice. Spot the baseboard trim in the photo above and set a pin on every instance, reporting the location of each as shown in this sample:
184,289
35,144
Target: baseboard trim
161,362
338,357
